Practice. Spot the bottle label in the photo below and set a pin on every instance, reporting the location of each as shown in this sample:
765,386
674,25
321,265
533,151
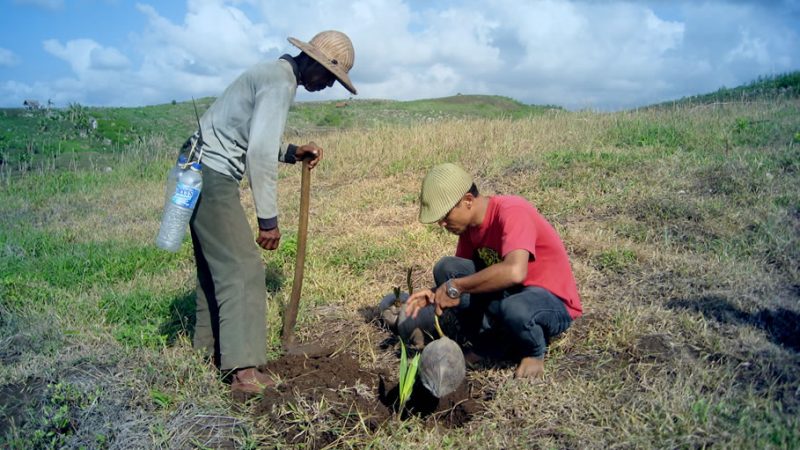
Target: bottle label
185,196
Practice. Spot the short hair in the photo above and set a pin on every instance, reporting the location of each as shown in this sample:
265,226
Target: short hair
473,190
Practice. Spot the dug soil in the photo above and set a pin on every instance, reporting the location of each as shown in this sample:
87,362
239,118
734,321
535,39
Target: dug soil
314,392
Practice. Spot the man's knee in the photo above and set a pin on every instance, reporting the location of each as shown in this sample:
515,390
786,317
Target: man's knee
515,314
451,267
526,317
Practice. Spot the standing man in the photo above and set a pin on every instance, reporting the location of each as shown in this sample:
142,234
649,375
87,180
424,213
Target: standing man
241,133
510,279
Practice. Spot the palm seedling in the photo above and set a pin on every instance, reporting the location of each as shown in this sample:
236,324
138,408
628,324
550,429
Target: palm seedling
407,375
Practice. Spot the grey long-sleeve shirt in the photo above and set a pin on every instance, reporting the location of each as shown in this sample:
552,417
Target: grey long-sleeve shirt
242,132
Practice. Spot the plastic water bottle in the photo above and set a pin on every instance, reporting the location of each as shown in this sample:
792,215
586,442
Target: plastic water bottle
172,177
178,210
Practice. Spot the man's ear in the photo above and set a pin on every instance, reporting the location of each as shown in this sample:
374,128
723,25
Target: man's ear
468,198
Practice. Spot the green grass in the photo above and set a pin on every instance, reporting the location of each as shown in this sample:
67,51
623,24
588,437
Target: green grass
145,319
615,260
31,139
56,260
356,113
645,133
359,256
770,87
682,224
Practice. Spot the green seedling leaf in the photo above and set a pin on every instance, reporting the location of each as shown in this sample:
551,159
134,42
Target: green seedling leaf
408,375
411,377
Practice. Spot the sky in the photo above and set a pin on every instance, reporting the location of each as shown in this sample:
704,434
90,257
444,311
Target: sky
599,55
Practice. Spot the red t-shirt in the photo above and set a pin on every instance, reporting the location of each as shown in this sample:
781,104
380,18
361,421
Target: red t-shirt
511,223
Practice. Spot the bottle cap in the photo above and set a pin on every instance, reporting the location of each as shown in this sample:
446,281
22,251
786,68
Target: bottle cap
182,159
196,166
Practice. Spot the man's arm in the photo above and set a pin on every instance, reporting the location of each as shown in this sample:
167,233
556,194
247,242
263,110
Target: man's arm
269,235
512,270
264,147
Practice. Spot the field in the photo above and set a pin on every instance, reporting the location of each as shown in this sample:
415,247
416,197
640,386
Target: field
682,221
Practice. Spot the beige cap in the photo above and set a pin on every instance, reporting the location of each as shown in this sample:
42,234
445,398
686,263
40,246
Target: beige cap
333,50
442,188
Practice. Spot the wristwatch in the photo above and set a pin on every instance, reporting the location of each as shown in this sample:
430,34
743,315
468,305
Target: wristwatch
451,290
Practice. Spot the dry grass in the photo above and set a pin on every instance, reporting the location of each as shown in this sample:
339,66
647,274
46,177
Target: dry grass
683,227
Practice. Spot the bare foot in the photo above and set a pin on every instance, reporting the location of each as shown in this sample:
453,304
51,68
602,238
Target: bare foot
530,367
251,381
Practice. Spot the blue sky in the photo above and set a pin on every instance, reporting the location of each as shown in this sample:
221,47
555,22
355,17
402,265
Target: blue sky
578,54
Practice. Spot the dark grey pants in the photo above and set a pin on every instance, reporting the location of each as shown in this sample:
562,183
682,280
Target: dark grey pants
231,289
521,319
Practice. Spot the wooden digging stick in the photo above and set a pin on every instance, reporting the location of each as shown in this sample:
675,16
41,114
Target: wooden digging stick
290,316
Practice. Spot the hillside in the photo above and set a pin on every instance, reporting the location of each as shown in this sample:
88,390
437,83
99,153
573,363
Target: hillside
767,88
30,139
369,113
682,225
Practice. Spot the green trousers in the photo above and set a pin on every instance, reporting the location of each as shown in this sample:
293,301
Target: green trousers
231,289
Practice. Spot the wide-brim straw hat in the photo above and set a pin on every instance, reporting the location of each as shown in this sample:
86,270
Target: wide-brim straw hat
333,50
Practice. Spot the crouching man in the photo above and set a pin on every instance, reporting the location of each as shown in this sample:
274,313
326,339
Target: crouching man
510,283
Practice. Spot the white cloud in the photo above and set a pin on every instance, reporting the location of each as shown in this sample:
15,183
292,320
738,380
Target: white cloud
405,85
215,42
8,58
101,58
213,33
525,50
59,93
99,74
77,53
86,56
578,54
585,55
749,49
15,90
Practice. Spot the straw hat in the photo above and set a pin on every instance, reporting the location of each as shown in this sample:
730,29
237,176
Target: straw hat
333,50
442,188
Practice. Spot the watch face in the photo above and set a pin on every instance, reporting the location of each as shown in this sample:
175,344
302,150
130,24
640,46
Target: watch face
451,291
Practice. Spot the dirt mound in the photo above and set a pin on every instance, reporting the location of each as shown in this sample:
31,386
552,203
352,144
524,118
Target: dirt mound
337,380
319,398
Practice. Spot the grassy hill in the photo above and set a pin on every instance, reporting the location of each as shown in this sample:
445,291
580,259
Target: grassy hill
370,113
58,137
767,88
682,223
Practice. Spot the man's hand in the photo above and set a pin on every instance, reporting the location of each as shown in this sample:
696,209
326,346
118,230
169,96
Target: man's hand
443,301
307,150
420,299
417,301
268,239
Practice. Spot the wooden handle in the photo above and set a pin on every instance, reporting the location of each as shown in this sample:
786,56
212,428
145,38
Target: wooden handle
290,317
